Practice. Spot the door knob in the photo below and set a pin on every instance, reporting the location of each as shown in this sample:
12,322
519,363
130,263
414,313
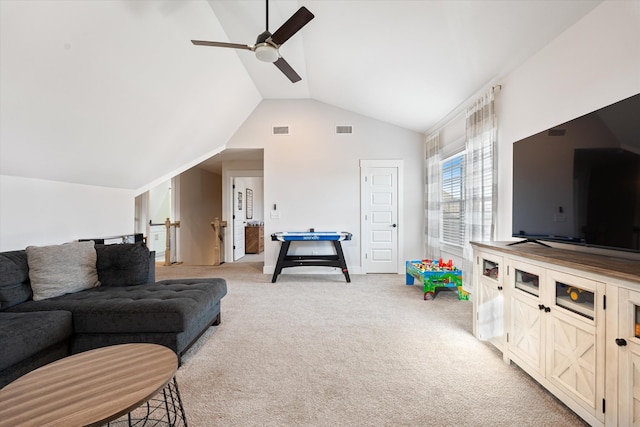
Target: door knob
621,342
394,225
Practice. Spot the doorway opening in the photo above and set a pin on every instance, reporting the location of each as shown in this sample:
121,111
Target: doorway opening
152,209
245,209
199,196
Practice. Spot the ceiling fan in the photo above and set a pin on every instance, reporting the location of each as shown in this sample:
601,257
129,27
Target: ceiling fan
267,44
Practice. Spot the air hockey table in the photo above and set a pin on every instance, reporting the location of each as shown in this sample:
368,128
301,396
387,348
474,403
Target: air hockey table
285,260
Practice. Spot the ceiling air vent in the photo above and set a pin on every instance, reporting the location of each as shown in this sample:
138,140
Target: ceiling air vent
344,129
557,132
280,130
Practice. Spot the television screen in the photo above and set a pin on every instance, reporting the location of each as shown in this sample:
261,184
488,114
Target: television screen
579,182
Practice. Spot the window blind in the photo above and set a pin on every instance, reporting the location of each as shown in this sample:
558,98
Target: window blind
452,202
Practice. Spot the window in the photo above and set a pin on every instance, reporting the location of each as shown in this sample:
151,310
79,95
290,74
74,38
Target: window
452,201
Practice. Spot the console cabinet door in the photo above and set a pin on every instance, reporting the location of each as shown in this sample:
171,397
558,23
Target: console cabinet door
575,339
527,317
490,303
628,341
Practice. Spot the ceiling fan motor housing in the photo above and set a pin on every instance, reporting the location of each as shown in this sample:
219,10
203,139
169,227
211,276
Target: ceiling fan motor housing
262,37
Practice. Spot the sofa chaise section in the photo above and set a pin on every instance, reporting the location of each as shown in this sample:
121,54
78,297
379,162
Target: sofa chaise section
173,313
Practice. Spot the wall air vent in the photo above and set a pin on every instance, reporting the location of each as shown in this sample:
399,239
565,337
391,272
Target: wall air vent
280,130
344,129
557,132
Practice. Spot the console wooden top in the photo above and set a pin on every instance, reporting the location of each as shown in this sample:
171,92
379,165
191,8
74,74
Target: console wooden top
613,267
88,389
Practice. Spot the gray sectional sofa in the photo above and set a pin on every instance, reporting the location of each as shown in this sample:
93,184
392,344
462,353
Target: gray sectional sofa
49,308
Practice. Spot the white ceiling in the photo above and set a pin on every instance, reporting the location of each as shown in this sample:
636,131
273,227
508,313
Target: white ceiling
404,62
112,92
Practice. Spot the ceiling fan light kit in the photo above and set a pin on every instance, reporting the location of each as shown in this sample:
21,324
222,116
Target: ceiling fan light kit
267,44
267,53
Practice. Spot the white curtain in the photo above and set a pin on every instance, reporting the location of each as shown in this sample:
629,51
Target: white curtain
480,179
432,196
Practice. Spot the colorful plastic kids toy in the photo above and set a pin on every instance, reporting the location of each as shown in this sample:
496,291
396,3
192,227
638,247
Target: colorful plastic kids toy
435,274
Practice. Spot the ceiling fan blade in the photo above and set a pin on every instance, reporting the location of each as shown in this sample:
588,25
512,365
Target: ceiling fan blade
292,26
287,70
222,44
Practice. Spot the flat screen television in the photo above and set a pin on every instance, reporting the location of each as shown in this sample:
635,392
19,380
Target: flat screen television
579,182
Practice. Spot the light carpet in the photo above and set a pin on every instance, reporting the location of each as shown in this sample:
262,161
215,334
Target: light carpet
313,350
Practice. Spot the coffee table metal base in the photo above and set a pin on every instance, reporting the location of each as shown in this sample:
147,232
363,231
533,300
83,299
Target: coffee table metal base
163,409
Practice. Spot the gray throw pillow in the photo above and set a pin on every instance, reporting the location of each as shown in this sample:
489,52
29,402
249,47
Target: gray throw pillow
62,269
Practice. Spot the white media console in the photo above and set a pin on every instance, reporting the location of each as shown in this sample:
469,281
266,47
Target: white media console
570,319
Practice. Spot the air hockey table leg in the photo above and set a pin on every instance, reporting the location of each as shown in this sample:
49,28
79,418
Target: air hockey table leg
284,249
343,263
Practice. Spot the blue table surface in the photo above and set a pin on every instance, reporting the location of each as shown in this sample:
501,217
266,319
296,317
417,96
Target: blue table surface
311,235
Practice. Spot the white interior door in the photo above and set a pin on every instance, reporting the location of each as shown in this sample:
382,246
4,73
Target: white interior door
239,221
380,218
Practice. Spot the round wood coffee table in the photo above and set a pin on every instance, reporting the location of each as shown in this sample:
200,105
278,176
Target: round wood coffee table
92,388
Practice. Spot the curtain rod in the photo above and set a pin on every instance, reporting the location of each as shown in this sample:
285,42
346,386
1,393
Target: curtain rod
459,110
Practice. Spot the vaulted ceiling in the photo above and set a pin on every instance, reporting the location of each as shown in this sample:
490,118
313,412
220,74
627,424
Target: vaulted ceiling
112,92
404,62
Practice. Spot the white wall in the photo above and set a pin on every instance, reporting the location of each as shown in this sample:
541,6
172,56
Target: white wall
313,175
102,93
39,212
593,64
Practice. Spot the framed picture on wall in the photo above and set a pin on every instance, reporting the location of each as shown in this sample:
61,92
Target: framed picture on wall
249,203
239,200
